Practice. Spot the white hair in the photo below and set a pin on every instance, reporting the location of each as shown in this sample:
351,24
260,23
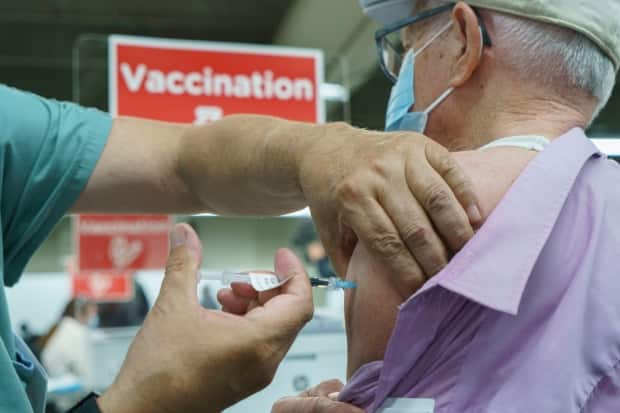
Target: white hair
550,55
555,56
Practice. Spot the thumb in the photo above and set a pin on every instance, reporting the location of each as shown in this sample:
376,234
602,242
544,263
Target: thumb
181,279
287,264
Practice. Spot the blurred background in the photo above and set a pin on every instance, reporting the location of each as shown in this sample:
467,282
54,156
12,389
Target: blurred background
59,49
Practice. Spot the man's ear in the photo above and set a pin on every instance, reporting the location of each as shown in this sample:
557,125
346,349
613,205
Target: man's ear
469,35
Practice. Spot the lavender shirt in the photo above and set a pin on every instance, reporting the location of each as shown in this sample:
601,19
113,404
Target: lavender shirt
526,318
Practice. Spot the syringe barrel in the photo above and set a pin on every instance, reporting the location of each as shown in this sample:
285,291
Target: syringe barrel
229,277
225,277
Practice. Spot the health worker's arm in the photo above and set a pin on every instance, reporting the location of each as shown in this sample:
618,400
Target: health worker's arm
192,360
389,190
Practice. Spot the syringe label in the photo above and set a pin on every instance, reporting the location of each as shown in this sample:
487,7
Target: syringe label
264,282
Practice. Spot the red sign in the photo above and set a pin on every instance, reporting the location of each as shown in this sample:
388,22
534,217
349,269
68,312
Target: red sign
103,286
199,82
120,243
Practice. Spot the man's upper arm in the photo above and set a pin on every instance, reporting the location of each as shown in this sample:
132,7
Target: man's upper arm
138,171
48,150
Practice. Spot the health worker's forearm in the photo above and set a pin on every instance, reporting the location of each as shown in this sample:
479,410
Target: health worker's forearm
246,164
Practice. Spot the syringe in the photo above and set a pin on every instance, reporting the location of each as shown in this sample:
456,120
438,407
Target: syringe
263,280
332,283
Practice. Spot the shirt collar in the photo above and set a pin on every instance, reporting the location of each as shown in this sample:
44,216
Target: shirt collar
494,267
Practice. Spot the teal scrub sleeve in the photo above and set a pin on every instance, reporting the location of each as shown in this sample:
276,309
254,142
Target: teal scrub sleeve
48,151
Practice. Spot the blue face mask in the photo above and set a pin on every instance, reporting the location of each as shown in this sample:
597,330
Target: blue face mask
402,98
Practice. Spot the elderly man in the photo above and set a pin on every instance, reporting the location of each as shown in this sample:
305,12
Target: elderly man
524,318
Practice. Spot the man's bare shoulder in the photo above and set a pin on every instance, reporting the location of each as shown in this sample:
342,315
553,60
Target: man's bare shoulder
493,171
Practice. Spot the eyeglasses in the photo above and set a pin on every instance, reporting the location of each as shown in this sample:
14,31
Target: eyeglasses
389,44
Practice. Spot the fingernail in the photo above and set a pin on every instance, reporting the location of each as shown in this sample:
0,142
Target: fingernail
333,396
474,214
178,236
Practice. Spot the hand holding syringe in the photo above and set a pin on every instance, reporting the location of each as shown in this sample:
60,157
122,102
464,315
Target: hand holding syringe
263,280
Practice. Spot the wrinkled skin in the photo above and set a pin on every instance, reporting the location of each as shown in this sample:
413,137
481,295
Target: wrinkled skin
371,309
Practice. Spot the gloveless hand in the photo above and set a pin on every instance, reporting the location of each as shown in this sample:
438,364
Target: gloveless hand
319,399
401,194
189,359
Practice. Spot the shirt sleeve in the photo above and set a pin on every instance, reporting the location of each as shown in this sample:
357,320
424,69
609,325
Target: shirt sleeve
48,151
605,397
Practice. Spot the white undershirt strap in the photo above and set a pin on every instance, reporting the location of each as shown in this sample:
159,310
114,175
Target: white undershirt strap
530,142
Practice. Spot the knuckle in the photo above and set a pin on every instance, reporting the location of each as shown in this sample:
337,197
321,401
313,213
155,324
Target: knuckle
447,165
434,150
463,187
388,245
416,235
437,200
435,267
462,236
381,167
412,283
349,190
